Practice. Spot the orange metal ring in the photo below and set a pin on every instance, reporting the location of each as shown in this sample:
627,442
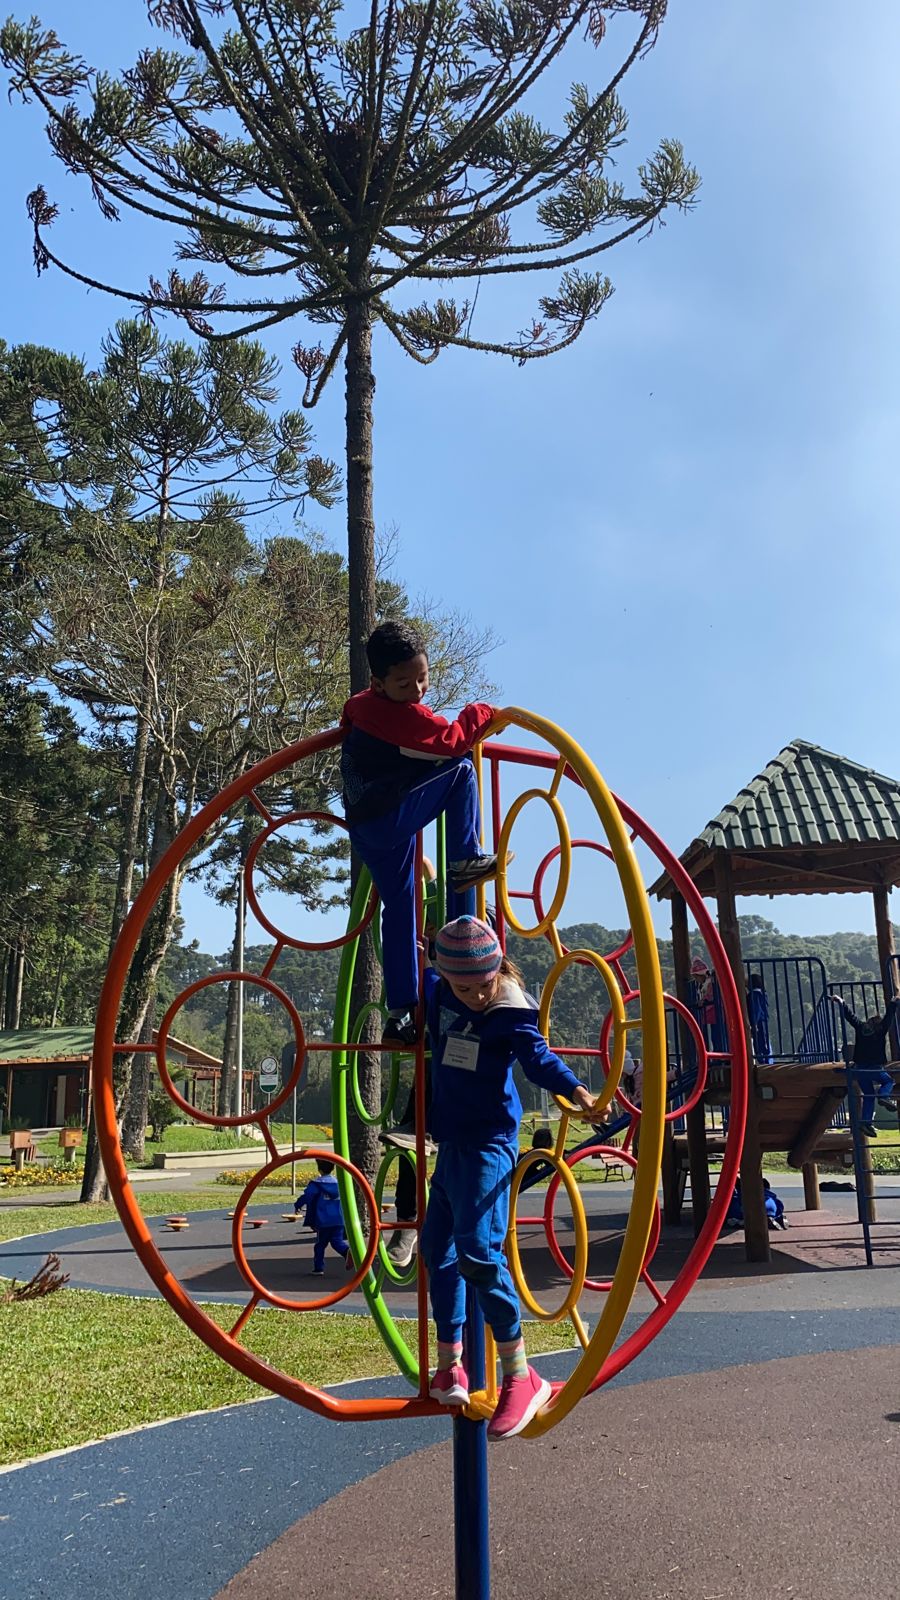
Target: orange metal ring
162,1036
280,1300
253,899
219,1340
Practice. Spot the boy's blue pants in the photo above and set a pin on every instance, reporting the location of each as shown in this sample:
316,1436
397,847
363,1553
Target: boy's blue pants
873,1081
388,848
463,1236
324,1238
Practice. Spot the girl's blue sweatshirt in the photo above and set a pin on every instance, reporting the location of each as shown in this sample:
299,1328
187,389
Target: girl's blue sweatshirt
479,1101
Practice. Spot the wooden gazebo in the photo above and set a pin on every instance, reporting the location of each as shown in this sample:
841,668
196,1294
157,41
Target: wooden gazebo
810,823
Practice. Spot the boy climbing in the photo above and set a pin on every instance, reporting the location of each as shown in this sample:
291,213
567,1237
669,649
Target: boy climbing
402,766
870,1042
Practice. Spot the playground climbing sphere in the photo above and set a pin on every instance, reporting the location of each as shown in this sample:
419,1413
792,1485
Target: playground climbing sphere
556,766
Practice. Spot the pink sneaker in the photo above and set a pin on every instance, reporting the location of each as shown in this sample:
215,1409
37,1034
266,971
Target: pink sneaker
450,1387
520,1400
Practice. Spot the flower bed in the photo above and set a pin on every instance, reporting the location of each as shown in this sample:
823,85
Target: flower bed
52,1175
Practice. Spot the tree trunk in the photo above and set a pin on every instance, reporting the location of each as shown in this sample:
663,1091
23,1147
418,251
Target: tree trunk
14,983
360,388
231,1067
140,989
133,1101
137,1106
57,988
132,832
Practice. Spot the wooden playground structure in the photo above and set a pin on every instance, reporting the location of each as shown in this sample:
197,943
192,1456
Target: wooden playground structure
810,823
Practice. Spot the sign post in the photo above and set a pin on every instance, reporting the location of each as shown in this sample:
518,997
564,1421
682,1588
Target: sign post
268,1075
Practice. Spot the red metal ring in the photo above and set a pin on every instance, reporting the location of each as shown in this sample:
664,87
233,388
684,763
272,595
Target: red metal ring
265,1113
537,895
253,899
280,1300
693,1027
599,1285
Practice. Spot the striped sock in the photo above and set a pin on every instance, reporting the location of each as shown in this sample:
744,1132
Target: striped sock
449,1355
512,1358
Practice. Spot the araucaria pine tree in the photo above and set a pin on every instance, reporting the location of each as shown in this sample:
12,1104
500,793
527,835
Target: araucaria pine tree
317,165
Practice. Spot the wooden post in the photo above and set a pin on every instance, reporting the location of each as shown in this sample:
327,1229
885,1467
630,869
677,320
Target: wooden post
812,1200
756,1223
695,1121
884,934
670,1183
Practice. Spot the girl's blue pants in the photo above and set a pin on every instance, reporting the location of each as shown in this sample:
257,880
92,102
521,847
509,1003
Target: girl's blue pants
462,1240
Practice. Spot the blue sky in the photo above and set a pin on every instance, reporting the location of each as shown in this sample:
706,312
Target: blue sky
684,529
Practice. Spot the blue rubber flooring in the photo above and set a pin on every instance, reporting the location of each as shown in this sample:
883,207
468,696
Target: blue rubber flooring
172,1512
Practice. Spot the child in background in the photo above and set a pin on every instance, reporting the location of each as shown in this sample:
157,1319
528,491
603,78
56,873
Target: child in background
402,767
322,1204
480,1021
870,1057
758,1008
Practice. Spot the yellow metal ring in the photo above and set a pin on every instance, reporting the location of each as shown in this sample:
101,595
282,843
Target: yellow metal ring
616,1006
565,863
649,982
579,1272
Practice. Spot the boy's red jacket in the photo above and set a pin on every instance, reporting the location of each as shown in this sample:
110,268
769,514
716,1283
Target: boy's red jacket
386,744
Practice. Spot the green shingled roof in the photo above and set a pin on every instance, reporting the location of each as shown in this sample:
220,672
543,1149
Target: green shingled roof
807,797
60,1044
45,1044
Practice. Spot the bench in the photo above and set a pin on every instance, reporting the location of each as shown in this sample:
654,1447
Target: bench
611,1167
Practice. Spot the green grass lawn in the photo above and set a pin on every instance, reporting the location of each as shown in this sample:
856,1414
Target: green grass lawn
183,1137
77,1365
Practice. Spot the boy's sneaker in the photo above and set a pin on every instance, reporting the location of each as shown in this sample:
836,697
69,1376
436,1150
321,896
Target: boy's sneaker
317,1272
450,1387
477,869
889,1105
869,1129
403,1246
520,1400
401,1032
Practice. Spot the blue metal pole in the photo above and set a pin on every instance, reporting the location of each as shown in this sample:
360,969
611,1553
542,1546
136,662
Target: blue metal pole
470,1474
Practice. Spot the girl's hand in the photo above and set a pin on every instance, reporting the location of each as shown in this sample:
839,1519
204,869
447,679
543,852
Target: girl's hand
584,1100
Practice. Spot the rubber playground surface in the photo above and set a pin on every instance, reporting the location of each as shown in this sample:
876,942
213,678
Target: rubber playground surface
726,1462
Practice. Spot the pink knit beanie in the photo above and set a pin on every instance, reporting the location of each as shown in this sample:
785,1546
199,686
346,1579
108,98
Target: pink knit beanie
468,948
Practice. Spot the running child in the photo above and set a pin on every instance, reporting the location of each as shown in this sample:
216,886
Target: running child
322,1204
480,1021
402,767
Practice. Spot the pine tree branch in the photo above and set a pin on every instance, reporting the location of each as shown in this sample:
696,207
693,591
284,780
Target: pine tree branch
313,173
519,193
233,96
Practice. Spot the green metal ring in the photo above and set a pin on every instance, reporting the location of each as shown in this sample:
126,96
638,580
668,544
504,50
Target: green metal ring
380,1117
386,1268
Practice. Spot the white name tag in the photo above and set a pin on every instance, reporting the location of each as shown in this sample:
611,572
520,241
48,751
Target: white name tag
460,1051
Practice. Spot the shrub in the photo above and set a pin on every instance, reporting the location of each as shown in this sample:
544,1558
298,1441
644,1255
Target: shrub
279,1180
